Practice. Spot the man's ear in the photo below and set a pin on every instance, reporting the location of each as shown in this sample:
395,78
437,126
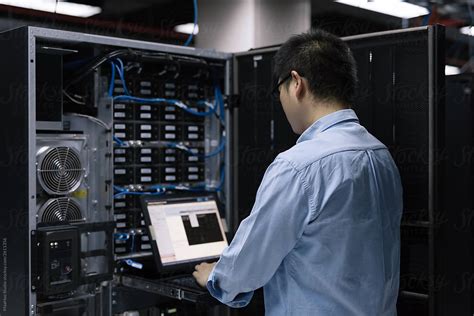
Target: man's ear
300,84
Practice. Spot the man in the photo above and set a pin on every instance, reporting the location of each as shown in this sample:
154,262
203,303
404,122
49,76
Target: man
323,236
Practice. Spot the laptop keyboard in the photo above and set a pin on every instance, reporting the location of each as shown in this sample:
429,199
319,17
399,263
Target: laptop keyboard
187,281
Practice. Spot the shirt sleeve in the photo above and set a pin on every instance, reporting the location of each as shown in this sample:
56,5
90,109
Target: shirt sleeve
281,212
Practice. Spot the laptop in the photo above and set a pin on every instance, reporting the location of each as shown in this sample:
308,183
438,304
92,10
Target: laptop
184,230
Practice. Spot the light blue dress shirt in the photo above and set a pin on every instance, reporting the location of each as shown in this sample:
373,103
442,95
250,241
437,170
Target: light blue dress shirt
323,237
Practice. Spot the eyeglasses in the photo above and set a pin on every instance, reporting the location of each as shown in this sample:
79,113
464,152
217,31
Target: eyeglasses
276,90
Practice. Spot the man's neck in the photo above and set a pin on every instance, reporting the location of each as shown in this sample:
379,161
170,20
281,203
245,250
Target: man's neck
321,109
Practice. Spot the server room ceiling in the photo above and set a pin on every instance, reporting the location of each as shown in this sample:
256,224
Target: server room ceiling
155,20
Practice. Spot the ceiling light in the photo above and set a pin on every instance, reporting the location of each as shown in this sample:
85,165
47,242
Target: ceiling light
186,28
60,7
467,30
396,8
451,70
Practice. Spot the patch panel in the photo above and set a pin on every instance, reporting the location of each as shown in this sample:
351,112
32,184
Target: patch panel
124,131
123,111
125,202
170,113
147,131
148,155
147,175
170,90
171,132
123,175
121,219
124,156
145,87
193,132
147,112
193,173
160,136
170,155
171,174
197,157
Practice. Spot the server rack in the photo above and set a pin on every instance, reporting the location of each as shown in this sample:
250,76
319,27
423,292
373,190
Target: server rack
66,265
454,234
401,100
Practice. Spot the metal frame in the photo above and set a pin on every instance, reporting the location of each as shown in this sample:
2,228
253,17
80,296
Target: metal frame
31,150
346,38
383,33
431,171
30,36
107,228
75,37
436,144
228,181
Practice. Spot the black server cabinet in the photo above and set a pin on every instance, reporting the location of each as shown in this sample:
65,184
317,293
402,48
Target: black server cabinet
400,100
57,221
263,131
15,167
454,237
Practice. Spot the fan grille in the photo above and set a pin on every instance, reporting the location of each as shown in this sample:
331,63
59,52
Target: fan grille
60,210
60,171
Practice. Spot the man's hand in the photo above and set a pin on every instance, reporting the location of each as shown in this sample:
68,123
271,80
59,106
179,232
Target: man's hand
202,272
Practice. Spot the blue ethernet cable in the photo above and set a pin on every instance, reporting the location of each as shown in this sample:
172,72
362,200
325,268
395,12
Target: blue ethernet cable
188,41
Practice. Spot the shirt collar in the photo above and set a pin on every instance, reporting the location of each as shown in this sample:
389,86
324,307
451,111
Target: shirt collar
327,122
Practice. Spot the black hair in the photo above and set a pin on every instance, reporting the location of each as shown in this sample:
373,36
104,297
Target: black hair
324,60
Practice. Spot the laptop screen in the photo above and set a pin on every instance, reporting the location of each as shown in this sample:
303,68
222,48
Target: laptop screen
186,230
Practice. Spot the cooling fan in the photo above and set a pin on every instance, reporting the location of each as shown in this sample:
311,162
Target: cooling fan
60,209
59,170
